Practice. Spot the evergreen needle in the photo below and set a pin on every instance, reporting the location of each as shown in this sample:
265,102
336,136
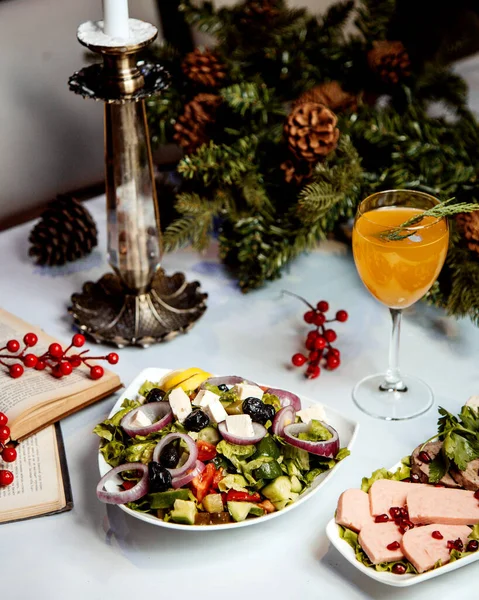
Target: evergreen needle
441,210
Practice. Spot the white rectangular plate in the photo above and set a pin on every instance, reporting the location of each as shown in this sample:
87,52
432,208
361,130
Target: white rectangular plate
346,428
332,531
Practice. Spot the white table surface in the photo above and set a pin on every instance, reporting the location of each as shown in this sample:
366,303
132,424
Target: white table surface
98,552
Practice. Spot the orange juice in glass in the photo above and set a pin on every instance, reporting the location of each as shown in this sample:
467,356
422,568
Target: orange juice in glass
398,266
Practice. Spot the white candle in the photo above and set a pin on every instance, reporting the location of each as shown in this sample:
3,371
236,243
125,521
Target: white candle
115,18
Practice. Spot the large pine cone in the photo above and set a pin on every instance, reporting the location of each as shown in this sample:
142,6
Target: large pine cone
311,131
469,225
297,173
332,95
390,61
204,68
192,127
66,232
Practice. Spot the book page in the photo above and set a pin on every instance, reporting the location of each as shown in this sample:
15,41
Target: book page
37,475
35,388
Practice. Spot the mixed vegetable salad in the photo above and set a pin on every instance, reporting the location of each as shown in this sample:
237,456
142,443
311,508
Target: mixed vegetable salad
201,450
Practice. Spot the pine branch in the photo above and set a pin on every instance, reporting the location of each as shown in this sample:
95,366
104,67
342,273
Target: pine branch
315,200
336,16
374,17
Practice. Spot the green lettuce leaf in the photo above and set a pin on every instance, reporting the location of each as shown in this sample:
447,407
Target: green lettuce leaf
316,432
231,451
146,387
141,452
113,452
401,472
273,400
342,454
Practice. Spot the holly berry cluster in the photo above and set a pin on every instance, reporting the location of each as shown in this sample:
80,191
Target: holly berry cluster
319,340
55,359
7,452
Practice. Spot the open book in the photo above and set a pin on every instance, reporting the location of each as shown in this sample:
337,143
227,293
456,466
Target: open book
37,399
41,485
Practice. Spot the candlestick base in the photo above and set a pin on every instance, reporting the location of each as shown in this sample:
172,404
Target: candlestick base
109,313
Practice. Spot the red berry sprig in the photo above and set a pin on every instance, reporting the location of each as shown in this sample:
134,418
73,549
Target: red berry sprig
56,359
7,452
319,340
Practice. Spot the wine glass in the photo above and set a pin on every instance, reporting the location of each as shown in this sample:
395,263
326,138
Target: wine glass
398,266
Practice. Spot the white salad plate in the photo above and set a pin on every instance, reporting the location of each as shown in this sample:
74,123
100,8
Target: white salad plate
332,531
346,428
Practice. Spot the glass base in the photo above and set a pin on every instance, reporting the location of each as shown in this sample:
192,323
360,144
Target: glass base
389,404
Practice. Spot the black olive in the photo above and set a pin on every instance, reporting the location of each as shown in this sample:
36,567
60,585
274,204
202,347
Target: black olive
255,409
269,412
223,387
170,456
160,478
196,421
155,395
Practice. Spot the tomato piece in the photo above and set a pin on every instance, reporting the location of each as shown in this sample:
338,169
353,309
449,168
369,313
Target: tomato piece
219,475
234,496
127,485
206,451
202,482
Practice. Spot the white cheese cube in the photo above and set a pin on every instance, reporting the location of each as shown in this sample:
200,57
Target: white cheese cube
140,420
180,404
240,426
215,411
203,397
315,412
245,390
473,402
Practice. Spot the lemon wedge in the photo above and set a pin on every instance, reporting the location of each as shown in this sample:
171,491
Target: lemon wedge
179,377
194,381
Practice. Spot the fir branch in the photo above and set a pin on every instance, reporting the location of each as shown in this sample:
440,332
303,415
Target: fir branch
315,200
439,211
374,17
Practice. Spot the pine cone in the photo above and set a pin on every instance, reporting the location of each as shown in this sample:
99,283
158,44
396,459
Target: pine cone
332,95
204,68
390,61
256,10
311,131
65,233
469,225
297,173
193,125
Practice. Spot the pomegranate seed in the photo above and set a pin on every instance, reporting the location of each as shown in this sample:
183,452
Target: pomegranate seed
405,525
399,569
437,535
395,512
424,457
406,480
476,495
415,478
439,485
458,545
381,518
404,513
472,546
450,545
393,546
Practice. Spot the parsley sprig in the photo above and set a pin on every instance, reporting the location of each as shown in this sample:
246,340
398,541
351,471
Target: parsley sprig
439,211
460,437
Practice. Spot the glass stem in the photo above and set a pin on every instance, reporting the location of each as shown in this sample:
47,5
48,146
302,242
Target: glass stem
393,381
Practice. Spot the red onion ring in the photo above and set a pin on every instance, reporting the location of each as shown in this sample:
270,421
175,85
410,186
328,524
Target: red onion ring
192,449
259,433
123,496
328,448
182,480
286,398
281,419
225,380
154,410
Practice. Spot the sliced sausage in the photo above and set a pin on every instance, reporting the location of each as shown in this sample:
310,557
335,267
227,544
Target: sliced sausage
423,550
353,510
421,469
428,504
385,494
468,479
375,539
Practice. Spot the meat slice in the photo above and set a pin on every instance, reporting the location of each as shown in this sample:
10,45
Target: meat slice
353,510
468,479
421,469
427,504
386,493
423,551
376,537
